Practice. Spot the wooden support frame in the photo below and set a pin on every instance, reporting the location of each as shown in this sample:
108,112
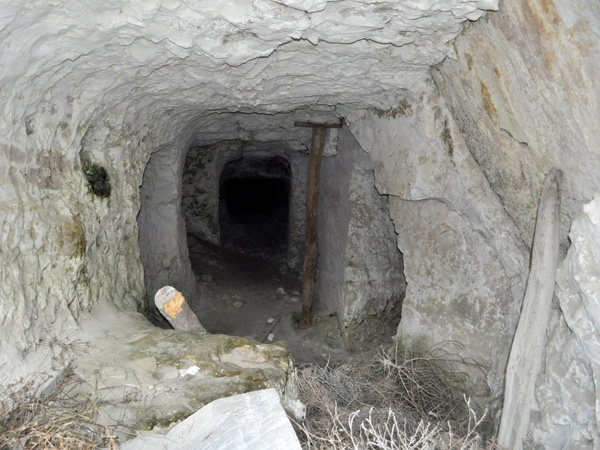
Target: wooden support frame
312,207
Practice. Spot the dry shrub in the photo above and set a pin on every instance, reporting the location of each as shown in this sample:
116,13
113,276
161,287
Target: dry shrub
43,413
399,400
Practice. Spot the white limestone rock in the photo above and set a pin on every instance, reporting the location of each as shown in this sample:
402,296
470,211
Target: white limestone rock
360,267
464,261
568,394
525,92
252,421
121,84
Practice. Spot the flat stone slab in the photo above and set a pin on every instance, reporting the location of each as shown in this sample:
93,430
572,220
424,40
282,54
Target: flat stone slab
252,421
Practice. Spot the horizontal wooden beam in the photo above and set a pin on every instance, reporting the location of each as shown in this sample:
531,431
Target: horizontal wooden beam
340,124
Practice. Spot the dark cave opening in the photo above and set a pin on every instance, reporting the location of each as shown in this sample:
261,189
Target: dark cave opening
254,199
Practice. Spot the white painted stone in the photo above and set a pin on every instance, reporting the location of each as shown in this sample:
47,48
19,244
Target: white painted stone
252,421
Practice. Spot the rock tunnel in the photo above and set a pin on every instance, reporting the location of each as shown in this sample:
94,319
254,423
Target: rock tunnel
453,114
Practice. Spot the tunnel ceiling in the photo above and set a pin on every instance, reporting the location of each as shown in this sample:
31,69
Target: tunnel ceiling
172,64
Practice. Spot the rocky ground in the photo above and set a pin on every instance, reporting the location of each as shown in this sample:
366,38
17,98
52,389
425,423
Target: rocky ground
248,291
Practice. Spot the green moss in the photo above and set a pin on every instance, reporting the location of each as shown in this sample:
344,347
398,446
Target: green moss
165,422
97,178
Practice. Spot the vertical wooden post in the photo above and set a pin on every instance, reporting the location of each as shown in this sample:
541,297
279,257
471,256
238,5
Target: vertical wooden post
312,207
528,344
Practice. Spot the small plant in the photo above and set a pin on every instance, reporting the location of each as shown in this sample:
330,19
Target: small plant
44,413
97,177
399,400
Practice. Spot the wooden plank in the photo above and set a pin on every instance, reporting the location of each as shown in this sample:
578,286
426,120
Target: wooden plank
528,345
312,206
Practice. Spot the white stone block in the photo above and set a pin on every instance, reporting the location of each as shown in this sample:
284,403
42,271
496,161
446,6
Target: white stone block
252,421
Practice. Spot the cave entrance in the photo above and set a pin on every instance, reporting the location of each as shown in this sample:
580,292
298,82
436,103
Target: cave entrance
254,206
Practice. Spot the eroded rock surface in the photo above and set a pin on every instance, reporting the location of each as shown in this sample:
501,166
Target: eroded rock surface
143,377
524,89
464,262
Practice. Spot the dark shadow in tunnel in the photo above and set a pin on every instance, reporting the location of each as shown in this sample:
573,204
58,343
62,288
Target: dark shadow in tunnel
254,196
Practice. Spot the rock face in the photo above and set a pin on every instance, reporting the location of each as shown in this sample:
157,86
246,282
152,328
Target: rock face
143,377
203,178
130,89
464,263
524,89
127,89
568,392
360,268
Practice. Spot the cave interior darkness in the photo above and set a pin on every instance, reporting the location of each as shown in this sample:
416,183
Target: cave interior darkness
254,206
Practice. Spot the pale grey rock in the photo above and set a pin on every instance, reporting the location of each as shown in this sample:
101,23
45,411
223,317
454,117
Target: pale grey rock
121,84
206,165
132,87
527,98
464,260
143,377
568,395
251,421
360,267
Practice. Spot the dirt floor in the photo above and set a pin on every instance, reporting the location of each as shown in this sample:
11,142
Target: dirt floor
248,291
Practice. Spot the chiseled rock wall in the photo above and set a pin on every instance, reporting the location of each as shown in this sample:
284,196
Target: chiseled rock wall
200,191
360,267
524,87
464,262
116,81
64,249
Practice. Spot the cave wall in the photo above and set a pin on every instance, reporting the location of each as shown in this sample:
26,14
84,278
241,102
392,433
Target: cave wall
163,237
65,250
524,87
360,275
135,79
200,187
114,83
464,261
